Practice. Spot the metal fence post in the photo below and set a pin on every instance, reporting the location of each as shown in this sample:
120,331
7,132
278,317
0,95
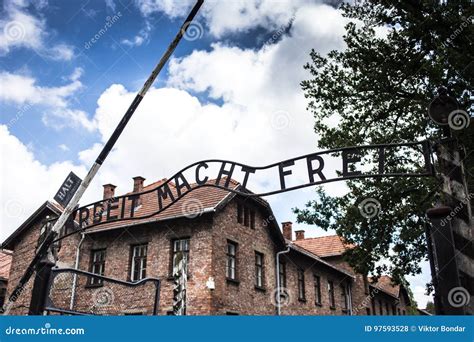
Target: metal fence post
41,286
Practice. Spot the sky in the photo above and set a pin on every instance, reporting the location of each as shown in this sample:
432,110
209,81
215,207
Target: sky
70,69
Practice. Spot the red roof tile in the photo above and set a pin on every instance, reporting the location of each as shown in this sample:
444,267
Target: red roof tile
200,199
5,264
324,246
386,284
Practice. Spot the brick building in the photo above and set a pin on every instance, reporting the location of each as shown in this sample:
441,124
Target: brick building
234,250
5,265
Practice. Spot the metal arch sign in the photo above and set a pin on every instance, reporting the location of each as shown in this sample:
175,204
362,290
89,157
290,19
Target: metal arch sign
385,160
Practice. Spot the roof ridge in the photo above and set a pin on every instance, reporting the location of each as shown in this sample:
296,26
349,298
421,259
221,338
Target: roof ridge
321,237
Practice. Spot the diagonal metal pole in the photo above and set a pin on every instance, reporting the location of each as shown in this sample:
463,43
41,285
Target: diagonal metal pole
42,250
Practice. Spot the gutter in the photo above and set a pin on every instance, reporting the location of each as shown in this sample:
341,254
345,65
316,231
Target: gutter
76,266
315,257
278,293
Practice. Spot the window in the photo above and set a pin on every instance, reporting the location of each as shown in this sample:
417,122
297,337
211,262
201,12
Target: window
367,310
317,289
387,308
240,209
398,312
373,307
231,264
245,215
344,297
138,262
366,286
332,301
301,289
259,269
180,245
231,313
380,307
282,274
97,266
394,309
3,294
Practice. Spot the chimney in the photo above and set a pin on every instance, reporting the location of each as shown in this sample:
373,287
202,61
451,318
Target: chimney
287,230
109,191
138,184
299,234
138,187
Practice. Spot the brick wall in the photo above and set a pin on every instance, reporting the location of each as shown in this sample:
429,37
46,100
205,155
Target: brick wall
243,297
22,256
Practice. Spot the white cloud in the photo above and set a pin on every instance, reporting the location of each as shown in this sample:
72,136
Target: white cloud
23,90
224,17
63,147
76,74
18,28
25,183
110,4
142,36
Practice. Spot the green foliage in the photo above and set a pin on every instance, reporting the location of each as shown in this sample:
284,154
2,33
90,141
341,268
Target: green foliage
377,91
430,307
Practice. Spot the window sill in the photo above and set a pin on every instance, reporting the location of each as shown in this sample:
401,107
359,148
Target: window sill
93,286
260,288
318,304
171,278
232,281
302,300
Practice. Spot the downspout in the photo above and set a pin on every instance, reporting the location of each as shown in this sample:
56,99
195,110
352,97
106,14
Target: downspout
76,266
349,287
278,293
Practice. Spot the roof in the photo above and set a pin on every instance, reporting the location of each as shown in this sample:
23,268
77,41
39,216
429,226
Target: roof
46,206
199,200
325,246
315,257
386,284
5,264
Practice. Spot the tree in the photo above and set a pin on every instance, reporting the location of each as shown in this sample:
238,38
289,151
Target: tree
398,53
430,307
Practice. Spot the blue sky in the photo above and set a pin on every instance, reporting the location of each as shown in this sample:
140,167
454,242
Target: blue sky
231,92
